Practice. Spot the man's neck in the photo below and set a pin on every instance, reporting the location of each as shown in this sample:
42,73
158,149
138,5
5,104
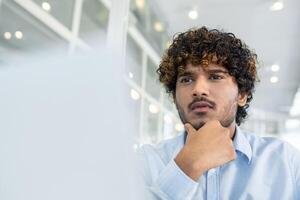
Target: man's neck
232,129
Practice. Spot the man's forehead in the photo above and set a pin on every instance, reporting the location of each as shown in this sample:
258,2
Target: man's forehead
190,67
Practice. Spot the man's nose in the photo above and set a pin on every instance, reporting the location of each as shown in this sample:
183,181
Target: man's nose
201,87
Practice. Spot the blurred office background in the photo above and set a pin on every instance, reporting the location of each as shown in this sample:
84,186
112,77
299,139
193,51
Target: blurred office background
270,27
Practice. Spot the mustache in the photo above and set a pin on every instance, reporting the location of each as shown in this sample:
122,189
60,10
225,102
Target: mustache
202,99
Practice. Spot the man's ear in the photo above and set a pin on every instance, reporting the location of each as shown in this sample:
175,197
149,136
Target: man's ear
242,99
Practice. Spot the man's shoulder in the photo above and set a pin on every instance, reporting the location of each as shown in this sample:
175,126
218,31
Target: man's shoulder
260,144
255,139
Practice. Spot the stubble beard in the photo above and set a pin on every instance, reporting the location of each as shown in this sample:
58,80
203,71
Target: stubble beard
225,121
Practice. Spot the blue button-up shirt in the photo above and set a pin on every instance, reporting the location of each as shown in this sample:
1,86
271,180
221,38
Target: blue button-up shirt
265,168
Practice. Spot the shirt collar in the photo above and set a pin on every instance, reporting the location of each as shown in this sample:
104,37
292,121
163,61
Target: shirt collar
241,144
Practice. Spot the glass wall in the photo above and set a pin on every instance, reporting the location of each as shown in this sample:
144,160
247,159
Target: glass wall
22,33
94,22
27,26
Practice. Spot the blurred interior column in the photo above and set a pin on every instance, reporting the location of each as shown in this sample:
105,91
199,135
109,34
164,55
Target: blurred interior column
117,30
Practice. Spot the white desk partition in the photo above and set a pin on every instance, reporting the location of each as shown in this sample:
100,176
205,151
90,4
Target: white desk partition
65,130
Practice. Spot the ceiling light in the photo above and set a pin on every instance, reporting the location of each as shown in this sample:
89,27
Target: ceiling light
158,26
179,127
19,35
153,108
130,74
275,68
193,14
168,119
274,79
7,35
134,94
46,6
140,4
278,5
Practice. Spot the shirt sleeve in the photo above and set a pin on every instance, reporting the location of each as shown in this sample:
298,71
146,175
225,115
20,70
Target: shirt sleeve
166,181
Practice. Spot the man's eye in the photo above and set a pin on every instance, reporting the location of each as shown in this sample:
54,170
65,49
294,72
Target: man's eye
215,77
185,80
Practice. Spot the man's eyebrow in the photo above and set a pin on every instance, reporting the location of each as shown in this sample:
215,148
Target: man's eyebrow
208,70
216,71
185,73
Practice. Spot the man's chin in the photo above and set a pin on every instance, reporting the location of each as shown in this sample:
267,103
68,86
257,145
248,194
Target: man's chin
197,125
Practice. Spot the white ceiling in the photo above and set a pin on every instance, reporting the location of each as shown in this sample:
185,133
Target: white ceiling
274,35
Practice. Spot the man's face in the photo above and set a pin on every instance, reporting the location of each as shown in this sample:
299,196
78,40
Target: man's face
207,93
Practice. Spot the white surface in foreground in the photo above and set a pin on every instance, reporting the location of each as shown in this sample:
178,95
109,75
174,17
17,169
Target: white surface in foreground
65,130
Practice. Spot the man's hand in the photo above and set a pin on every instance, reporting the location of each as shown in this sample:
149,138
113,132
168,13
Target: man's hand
206,148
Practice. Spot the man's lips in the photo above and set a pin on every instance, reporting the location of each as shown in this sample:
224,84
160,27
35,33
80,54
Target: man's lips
201,106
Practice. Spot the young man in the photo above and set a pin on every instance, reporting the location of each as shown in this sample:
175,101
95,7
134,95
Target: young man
211,75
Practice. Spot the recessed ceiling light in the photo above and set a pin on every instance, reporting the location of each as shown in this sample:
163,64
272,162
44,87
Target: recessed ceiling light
179,127
7,35
46,6
278,5
140,4
134,94
130,74
158,26
275,68
274,79
153,108
19,35
193,14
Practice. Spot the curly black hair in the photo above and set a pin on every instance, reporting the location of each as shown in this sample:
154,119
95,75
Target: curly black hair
203,45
